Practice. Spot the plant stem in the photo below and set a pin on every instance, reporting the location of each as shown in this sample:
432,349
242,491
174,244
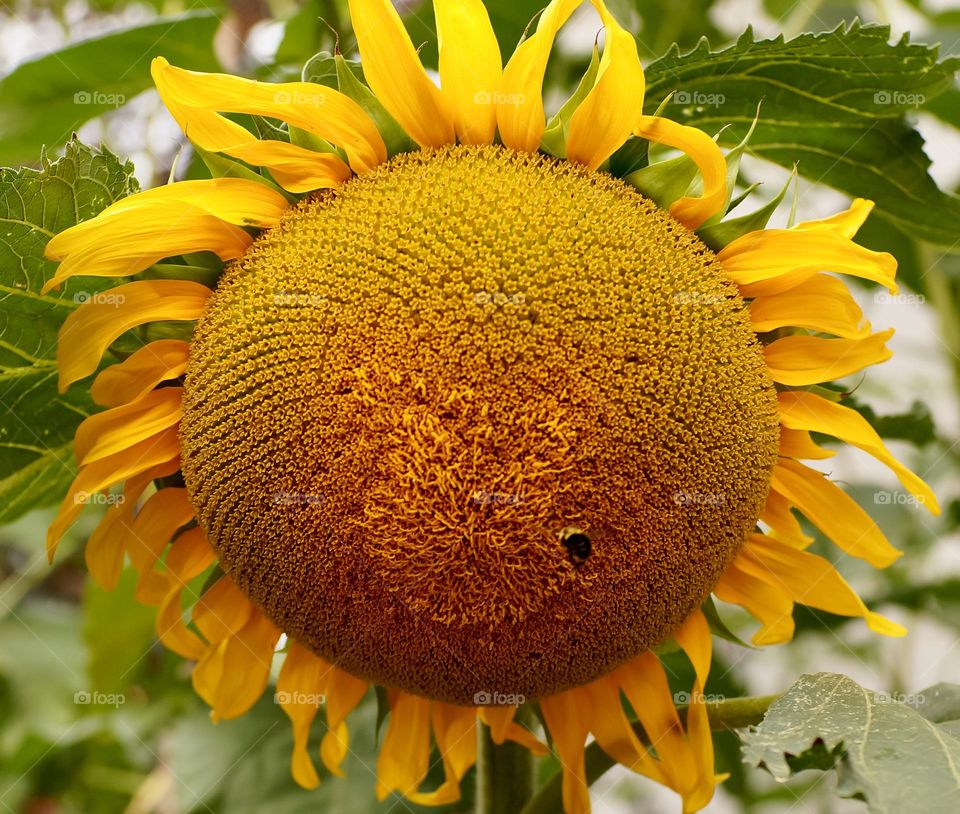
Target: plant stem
504,772
733,713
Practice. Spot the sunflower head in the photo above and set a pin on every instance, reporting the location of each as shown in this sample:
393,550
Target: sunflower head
463,414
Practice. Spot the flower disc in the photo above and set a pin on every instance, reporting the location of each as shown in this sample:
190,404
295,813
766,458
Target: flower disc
477,424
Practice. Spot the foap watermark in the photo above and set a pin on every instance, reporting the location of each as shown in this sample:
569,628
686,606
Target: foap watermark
682,697
886,298
95,97
698,99
699,298
499,98
93,698
898,98
497,298
297,698
99,298
298,299
297,499
883,498
482,498
498,699
98,499
915,699
299,98
699,499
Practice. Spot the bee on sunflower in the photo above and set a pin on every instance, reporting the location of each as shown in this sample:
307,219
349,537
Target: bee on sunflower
470,410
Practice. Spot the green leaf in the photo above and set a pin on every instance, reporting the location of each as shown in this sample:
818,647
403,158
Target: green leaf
884,751
833,104
36,422
915,426
44,101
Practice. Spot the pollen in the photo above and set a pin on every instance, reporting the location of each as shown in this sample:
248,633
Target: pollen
478,421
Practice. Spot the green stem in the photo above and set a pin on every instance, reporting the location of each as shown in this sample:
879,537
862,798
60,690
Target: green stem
733,713
504,772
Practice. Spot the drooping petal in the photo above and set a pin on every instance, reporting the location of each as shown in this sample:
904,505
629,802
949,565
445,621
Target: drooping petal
692,212
247,658
221,610
454,729
845,224
567,716
802,410
120,428
470,68
613,109
87,333
504,728
834,512
394,72
107,545
783,523
165,511
103,474
189,556
771,261
344,693
808,580
140,372
822,303
520,115
799,444
803,360
405,753
300,685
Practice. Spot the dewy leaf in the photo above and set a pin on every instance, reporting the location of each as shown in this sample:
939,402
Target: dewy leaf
884,751
47,99
36,422
833,104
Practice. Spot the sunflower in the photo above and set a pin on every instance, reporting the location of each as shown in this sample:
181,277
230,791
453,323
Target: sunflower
469,407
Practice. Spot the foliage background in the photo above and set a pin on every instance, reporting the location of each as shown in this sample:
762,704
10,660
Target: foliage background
97,718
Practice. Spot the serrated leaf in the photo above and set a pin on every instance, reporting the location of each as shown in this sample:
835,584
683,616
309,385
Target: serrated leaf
883,750
833,104
36,422
45,100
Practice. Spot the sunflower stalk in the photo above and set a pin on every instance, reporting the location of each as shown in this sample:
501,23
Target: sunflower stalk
505,772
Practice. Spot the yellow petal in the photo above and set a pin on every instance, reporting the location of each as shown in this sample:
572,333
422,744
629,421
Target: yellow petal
189,556
503,728
695,639
799,444
221,610
195,100
809,580
470,68
120,428
772,261
454,729
208,671
783,524
393,71
520,115
344,693
846,224
247,658
189,216
692,212
87,333
300,685
802,360
768,604
108,472
107,544
613,109
153,528
834,512
567,716
405,753
822,303
801,410
140,372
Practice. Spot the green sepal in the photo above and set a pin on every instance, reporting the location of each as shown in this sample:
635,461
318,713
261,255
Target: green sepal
732,159
665,181
554,140
220,166
718,235
383,710
718,627
177,271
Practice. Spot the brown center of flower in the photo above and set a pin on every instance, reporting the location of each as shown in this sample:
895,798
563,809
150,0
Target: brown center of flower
477,423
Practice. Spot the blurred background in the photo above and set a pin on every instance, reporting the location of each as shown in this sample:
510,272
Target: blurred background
96,717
